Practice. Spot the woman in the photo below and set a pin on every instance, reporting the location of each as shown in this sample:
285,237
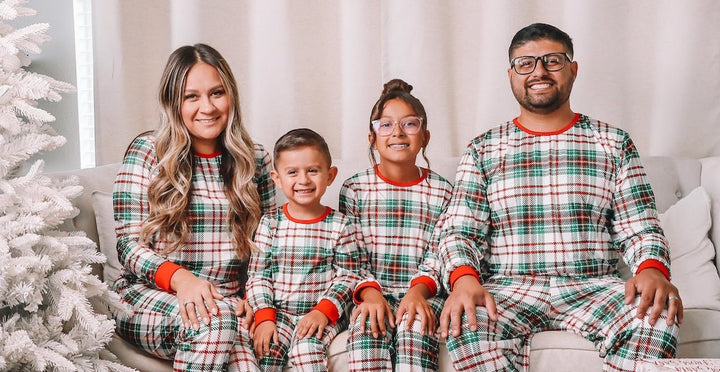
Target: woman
187,200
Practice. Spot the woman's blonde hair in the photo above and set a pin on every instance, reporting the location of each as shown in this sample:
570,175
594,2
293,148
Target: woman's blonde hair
169,191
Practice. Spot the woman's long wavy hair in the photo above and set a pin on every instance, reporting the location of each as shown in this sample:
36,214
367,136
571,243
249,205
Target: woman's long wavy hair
169,191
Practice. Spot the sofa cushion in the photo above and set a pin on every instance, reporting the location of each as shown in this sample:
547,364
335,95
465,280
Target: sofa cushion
103,207
686,225
711,182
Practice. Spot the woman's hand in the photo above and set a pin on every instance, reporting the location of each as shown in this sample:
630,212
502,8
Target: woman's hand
415,303
313,322
374,308
195,297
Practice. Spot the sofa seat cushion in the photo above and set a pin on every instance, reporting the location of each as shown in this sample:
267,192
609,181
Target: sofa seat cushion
699,335
134,357
562,351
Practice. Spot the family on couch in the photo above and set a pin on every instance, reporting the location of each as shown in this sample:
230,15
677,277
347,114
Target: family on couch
527,240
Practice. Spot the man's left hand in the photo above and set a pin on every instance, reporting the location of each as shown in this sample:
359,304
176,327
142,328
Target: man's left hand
656,291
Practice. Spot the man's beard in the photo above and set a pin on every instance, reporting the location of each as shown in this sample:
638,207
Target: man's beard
541,105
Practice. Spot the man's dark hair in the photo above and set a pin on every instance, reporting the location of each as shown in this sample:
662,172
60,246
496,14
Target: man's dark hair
539,31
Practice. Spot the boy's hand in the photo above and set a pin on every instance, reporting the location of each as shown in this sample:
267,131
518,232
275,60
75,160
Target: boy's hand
242,307
264,333
313,322
374,308
415,303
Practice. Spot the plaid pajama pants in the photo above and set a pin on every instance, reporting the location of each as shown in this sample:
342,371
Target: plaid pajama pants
593,308
156,327
400,349
306,354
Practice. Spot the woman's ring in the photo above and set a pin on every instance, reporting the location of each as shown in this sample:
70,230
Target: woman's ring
673,298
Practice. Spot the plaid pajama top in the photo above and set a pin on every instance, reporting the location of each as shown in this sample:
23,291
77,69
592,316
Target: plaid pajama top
299,264
209,252
568,203
396,223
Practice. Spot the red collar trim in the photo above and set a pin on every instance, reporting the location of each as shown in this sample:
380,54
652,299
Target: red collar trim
208,156
425,172
535,133
308,222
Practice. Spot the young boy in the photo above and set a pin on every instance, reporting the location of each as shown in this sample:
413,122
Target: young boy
304,270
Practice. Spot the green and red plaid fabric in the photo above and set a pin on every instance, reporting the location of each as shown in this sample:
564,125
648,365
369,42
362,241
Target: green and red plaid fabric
299,354
545,219
396,223
567,204
209,254
299,263
402,348
592,307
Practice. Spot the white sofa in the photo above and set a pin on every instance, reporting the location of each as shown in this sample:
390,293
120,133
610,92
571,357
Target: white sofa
688,226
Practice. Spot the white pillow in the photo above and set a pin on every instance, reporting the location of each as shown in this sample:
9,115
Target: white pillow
686,225
103,207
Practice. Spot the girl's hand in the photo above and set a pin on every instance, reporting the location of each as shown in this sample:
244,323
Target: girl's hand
313,322
375,308
195,297
264,333
415,304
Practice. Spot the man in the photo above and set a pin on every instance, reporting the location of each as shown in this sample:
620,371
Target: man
544,207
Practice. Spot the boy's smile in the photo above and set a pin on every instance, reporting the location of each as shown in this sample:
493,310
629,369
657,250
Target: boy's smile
303,175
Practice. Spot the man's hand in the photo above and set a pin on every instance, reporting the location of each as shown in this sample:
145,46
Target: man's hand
466,295
375,308
313,322
415,303
264,333
655,290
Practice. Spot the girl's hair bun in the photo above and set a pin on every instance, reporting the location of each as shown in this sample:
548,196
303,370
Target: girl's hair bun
396,85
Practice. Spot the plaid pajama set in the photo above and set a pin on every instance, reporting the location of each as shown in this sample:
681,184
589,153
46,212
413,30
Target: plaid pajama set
396,222
155,324
544,218
300,266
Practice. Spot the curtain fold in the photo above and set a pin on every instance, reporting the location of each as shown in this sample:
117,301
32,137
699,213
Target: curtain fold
649,67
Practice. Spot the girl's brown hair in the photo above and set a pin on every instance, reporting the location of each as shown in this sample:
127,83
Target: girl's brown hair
397,89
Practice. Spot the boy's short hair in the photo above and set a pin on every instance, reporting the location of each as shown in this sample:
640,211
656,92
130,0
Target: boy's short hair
301,137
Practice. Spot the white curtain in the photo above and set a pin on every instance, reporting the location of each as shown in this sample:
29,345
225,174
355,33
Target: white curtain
651,67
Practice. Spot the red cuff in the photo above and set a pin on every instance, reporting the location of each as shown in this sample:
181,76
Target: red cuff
655,264
326,307
427,281
462,271
164,273
369,284
265,314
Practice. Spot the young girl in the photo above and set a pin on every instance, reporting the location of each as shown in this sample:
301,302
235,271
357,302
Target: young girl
396,206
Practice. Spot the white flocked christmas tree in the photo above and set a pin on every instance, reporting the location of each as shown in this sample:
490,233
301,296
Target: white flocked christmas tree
47,292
